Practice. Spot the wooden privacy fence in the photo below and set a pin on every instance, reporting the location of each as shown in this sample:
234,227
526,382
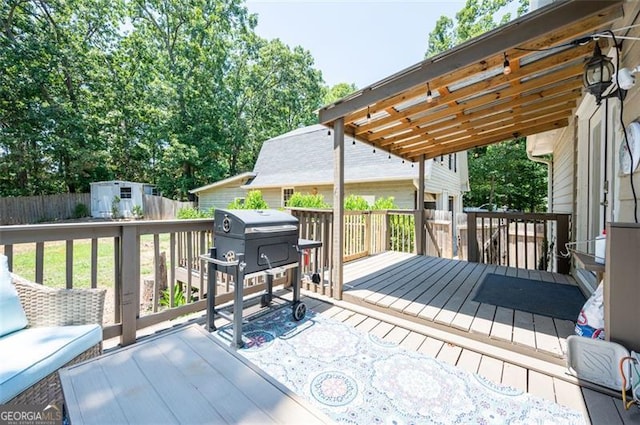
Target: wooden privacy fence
36,209
159,208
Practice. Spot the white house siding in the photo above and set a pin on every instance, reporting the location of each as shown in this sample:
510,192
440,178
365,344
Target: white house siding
219,197
563,172
630,58
444,183
403,192
620,199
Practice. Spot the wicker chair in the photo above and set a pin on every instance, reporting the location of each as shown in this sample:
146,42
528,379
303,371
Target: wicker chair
45,306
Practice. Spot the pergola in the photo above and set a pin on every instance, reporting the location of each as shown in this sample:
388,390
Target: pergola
463,98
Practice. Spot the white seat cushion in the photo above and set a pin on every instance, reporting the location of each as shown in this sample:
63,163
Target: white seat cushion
12,317
31,354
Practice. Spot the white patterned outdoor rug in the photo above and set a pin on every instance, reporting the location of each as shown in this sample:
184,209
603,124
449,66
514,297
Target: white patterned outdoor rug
357,378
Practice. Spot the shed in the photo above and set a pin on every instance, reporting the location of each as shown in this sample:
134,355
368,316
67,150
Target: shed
107,196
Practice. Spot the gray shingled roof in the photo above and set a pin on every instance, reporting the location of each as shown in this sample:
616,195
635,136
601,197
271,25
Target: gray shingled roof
305,156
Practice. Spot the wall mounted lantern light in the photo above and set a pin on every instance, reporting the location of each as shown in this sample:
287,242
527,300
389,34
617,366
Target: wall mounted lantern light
598,72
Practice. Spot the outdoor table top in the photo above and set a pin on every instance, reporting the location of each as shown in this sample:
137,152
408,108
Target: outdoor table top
182,376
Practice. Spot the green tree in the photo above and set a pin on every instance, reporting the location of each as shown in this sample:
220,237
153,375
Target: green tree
50,53
172,92
270,89
338,92
501,174
475,18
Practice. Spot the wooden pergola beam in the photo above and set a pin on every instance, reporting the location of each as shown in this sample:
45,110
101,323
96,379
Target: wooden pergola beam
539,23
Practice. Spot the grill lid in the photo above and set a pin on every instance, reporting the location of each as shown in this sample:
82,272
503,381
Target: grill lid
243,222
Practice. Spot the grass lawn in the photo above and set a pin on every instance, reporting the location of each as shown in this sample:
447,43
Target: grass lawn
55,261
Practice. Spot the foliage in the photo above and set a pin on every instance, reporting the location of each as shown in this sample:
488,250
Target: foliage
384,204
253,201
499,174
137,211
401,232
186,213
475,18
338,92
299,200
174,93
355,203
179,297
81,210
115,207
502,174
358,203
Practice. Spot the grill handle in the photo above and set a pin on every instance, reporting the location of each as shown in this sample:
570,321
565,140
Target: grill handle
271,229
207,258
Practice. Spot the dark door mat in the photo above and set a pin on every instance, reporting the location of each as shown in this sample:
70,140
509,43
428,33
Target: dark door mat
555,300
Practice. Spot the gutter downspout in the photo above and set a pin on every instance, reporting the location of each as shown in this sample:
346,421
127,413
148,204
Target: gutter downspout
549,164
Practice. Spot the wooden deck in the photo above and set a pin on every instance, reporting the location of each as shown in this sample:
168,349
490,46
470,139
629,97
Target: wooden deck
184,376
439,292
541,378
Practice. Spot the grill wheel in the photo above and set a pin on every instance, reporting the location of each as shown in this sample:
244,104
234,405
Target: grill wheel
299,310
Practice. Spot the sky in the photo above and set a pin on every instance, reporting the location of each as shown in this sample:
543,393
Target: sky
354,41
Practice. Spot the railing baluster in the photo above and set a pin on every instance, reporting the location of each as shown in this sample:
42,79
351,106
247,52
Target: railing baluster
155,298
94,262
526,243
39,262
117,279
517,244
172,273
187,293
545,245
535,244
69,261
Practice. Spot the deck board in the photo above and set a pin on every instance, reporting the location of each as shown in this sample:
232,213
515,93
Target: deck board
491,369
440,291
541,385
431,346
469,361
413,341
514,376
401,286
413,301
439,301
503,324
181,376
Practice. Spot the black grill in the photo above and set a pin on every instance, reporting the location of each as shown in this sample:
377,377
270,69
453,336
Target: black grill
251,241
266,238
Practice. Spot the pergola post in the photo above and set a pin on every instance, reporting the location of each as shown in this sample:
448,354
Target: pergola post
338,206
419,216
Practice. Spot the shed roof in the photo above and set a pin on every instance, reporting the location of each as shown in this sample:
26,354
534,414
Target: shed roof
305,156
474,103
234,179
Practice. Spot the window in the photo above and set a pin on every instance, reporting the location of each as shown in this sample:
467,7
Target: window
286,195
125,193
239,201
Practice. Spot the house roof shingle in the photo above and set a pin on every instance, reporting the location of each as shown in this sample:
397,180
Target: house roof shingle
305,156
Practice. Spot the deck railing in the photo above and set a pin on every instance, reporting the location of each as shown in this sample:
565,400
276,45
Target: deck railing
117,256
131,258
523,240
